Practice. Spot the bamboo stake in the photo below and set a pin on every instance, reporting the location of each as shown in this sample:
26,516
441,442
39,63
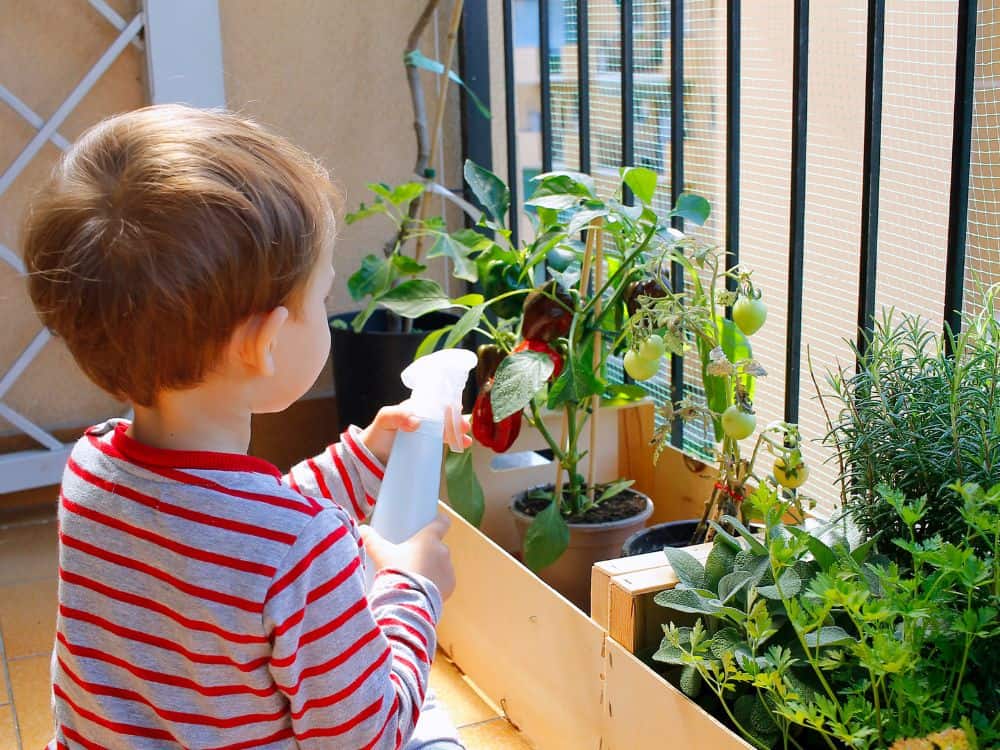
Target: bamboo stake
584,286
595,400
453,24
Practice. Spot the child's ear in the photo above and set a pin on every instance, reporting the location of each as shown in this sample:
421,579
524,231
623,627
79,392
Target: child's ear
259,339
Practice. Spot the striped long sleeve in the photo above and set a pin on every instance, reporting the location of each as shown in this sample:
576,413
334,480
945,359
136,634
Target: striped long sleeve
346,472
349,671
204,603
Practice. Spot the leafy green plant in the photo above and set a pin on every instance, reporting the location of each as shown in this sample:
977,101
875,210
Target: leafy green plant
729,371
553,309
915,417
812,641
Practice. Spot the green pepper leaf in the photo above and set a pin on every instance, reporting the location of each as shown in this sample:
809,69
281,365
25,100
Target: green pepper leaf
414,298
546,539
363,212
430,341
465,493
556,201
464,267
518,378
641,181
489,189
407,265
417,59
374,276
576,382
693,208
469,320
565,181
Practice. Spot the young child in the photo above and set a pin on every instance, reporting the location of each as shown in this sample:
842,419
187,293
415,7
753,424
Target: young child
205,600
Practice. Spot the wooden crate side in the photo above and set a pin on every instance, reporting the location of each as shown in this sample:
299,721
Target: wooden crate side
532,653
630,615
600,581
642,710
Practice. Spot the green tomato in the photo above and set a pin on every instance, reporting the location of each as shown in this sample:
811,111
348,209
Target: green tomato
749,315
640,368
653,347
790,479
737,423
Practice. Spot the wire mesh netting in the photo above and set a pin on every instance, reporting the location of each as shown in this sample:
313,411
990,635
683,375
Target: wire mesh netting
916,168
983,240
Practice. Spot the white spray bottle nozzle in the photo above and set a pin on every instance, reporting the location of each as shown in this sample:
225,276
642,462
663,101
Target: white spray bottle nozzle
437,381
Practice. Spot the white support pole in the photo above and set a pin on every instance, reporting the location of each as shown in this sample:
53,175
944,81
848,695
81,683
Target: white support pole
26,470
70,103
114,19
30,115
25,358
184,52
29,428
12,259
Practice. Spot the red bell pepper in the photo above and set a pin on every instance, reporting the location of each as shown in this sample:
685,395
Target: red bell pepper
496,435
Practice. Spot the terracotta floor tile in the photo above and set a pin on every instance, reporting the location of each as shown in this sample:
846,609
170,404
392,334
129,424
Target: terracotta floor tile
28,551
29,679
8,737
463,703
493,735
28,617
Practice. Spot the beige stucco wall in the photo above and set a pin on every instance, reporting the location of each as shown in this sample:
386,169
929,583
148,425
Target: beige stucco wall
328,75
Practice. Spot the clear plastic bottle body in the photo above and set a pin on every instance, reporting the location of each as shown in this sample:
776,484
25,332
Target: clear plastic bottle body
408,498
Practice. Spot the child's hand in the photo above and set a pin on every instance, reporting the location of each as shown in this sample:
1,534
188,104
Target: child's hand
424,554
379,435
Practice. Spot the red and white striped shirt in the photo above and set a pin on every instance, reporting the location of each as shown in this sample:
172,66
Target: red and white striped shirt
207,601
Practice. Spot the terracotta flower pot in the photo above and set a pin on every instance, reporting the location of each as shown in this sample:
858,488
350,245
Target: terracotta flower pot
588,543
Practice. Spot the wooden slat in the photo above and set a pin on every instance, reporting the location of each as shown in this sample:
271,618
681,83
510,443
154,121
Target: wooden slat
642,710
536,657
551,670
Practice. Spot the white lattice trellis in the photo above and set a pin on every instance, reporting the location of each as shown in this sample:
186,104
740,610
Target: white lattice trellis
186,65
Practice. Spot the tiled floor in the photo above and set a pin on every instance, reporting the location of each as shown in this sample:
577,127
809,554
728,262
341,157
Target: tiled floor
27,625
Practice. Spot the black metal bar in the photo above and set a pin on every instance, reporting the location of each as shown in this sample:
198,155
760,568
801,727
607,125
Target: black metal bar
872,173
733,52
583,81
961,148
628,90
474,68
800,90
677,185
510,93
545,80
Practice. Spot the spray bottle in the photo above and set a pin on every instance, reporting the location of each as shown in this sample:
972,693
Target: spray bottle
408,498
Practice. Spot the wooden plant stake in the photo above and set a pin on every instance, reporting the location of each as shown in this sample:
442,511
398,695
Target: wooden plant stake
584,284
596,227
453,24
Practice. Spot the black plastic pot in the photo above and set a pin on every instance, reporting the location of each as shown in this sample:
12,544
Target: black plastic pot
366,365
655,538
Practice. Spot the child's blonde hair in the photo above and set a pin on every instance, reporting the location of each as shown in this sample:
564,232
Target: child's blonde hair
161,231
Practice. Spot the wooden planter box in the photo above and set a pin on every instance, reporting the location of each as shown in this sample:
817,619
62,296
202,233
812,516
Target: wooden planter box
554,672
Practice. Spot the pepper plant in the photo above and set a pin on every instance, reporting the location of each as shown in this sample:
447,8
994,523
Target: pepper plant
553,311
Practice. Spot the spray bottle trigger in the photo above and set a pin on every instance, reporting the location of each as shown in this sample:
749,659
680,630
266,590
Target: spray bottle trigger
453,415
